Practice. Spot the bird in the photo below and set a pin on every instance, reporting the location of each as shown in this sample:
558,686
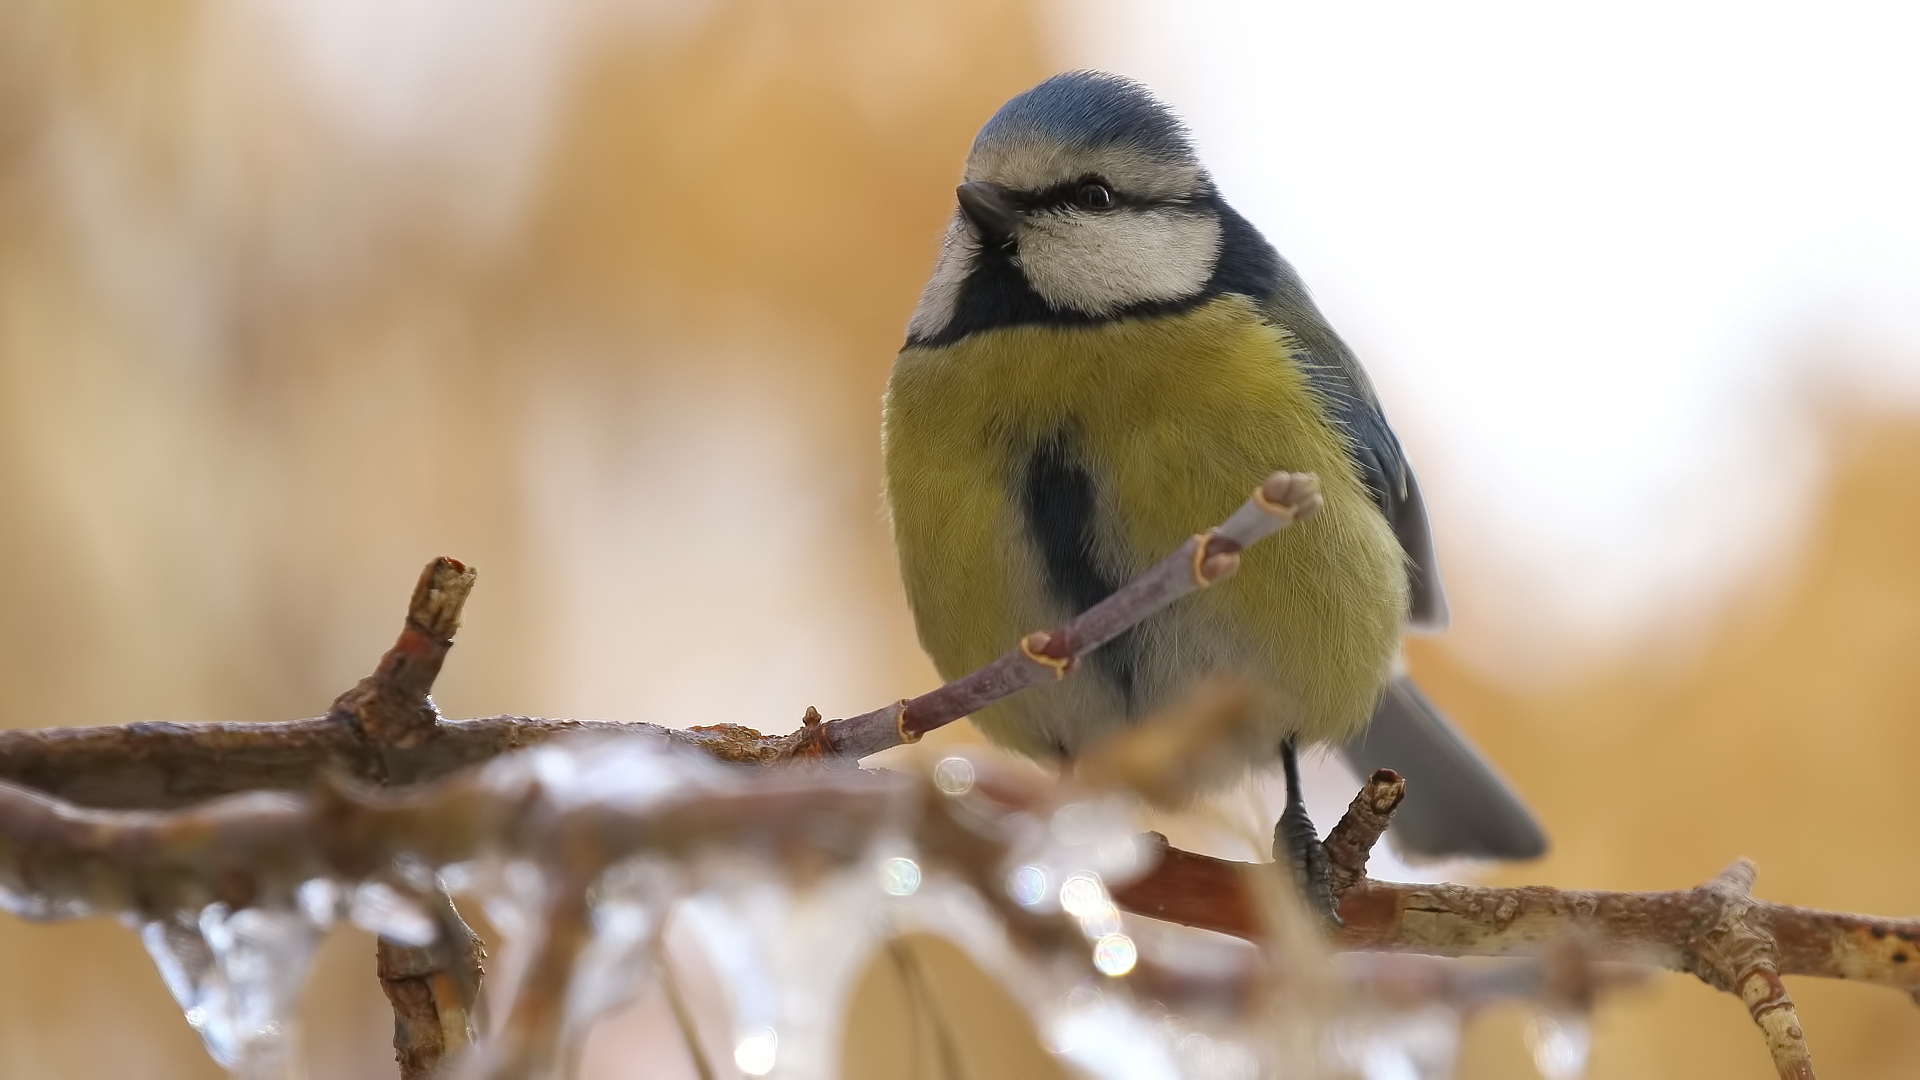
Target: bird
1106,357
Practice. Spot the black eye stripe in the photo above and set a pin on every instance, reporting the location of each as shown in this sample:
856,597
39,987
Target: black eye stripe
1066,196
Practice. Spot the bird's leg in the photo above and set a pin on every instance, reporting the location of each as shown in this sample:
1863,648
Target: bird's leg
1296,843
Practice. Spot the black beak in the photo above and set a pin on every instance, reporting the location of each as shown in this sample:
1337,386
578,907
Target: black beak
993,215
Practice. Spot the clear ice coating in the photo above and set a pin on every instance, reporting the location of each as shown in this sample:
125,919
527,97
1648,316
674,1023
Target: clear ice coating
1403,1044
629,906
787,954
39,907
1560,1042
1103,1036
787,935
378,908
237,976
630,773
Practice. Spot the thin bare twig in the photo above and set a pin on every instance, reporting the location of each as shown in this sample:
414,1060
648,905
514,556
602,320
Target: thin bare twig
1351,840
1046,655
385,730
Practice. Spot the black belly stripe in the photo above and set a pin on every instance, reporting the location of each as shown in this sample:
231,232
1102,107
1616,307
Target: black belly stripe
1058,502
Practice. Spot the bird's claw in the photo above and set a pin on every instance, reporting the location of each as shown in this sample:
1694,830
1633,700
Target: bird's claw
1297,844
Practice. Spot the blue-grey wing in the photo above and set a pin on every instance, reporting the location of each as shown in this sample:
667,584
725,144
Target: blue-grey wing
1342,383
1456,804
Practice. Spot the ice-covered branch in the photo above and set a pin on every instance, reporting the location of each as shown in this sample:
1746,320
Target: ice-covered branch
568,813
217,839
1717,931
578,813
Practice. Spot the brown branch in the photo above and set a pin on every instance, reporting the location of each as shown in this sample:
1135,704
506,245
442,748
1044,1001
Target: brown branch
254,850
163,766
1716,931
434,988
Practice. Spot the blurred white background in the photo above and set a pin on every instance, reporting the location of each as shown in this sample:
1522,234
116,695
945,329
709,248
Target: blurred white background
1606,263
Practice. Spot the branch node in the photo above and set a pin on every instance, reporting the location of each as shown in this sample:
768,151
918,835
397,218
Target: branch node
1035,648
1736,953
392,707
1350,842
811,742
1215,557
907,734
1288,496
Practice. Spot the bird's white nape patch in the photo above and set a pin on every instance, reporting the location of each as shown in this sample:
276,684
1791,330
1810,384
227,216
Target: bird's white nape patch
941,297
1100,263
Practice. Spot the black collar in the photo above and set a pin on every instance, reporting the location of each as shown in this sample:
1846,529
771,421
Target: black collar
995,294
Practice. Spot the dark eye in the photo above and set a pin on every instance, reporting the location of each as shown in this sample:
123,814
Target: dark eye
1094,197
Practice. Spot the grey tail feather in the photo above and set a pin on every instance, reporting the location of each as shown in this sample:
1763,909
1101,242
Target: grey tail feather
1456,804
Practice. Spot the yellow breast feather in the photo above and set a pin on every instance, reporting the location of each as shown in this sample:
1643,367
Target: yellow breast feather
1175,419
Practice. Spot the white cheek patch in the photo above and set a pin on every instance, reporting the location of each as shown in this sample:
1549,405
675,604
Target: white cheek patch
1100,263
941,297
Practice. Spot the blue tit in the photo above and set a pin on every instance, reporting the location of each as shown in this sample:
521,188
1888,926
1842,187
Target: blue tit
1109,357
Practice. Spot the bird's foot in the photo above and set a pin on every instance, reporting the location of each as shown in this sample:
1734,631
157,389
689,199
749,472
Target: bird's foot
1297,845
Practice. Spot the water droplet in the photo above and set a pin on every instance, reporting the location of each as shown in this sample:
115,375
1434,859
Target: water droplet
1027,885
755,1054
1083,895
953,775
1115,955
900,877
1560,1043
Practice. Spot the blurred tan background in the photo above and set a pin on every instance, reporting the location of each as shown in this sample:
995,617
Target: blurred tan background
600,297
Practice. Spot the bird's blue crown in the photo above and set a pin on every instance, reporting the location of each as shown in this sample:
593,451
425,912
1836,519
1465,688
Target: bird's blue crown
1090,109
